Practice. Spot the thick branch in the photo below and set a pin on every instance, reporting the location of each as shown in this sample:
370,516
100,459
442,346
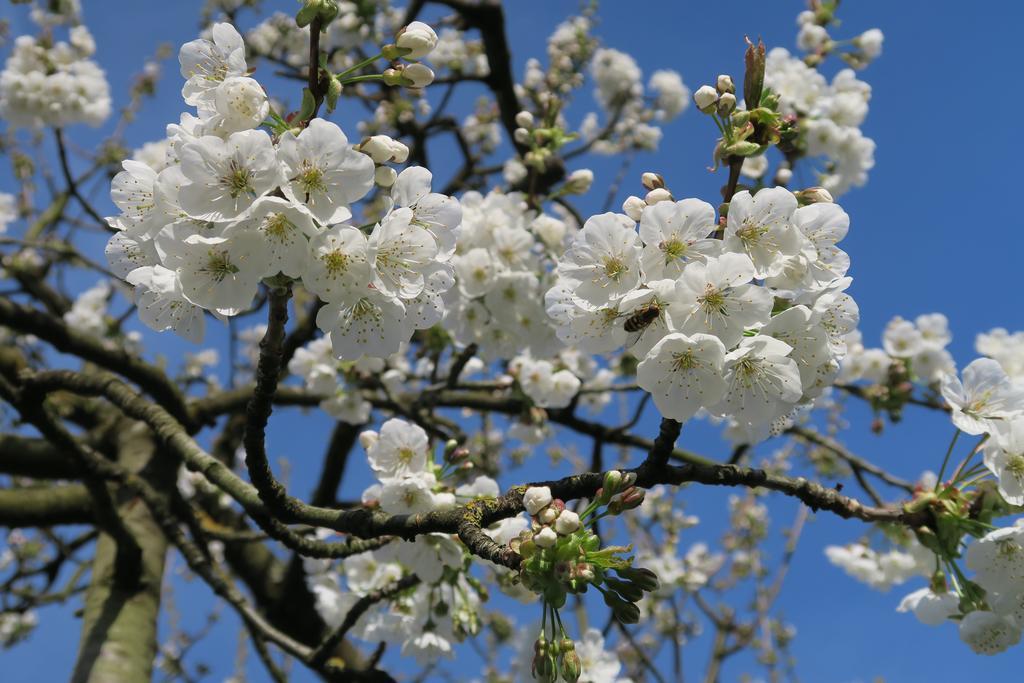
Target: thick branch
53,331
24,456
46,506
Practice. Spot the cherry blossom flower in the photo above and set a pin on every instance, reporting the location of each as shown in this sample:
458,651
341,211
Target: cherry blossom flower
323,171
220,273
762,381
206,64
761,227
988,633
674,234
604,259
285,229
225,177
684,373
716,298
984,397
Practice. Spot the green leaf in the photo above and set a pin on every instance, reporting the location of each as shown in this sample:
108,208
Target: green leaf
308,105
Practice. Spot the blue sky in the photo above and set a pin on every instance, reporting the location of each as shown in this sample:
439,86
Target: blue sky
934,230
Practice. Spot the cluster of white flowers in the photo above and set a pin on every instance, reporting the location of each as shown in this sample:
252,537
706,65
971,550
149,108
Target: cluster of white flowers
401,458
813,38
998,562
47,83
278,36
8,210
88,312
747,327
634,115
881,570
828,117
458,54
425,622
920,344
234,205
984,401
1006,348
502,257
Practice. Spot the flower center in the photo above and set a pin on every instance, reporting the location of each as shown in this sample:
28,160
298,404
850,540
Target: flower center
405,455
748,370
614,268
684,361
751,234
1008,550
336,262
312,180
277,227
1015,466
674,249
713,300
219,266
238,180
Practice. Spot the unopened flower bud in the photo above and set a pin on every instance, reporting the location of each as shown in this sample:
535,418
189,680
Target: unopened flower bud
393,76
418,38
567,522
623,610
572,667
399,152
545,538
542,666
706,98
612,481
418,75
658,195
814,195
579,181
652,181
726,104
326,10
631,498
535,499
585,571
641,576
385,176
626,589
524,119
368,438
522,136
334,88
380,148
547,515
783,176
724,84
634,207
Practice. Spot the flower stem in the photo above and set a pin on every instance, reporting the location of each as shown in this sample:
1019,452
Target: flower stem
945,460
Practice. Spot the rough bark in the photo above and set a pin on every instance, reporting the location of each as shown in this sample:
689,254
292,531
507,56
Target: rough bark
119,626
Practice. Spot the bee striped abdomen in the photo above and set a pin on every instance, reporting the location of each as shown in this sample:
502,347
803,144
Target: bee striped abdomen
644,316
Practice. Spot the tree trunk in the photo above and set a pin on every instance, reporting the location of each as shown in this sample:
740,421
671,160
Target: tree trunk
119,629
